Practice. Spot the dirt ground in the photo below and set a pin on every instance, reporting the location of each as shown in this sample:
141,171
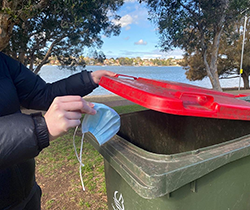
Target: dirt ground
63,190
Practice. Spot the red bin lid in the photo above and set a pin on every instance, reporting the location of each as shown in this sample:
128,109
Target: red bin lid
177,98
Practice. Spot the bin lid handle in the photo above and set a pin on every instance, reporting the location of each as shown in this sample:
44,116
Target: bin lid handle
126,76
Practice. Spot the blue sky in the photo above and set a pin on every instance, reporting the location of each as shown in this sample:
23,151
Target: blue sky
138,37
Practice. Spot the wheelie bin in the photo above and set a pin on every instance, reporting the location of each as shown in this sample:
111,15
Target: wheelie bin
189,151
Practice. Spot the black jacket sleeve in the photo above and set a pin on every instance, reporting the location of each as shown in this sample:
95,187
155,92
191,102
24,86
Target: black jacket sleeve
41,95
35,93
21,138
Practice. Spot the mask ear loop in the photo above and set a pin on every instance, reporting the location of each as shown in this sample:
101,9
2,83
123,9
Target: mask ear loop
79,157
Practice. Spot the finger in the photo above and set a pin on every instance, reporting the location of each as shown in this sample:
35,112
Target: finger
90,104
87,109
73,123
73,115
110,73
76,105
70,106
69,98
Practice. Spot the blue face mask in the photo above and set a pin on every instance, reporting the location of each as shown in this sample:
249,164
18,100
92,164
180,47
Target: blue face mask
103,125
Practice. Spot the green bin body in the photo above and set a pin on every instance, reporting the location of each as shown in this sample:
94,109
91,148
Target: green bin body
171,162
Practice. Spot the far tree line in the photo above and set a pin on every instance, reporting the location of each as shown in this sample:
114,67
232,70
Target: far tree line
123,61
209,32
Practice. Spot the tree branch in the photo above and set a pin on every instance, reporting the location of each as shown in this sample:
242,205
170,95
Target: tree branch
45,58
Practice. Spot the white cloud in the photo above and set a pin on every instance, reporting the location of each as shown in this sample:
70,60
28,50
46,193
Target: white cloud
133,13
125,21
131,18
141,42
127,38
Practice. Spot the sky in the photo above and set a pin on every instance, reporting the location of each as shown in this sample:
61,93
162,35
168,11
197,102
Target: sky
138,37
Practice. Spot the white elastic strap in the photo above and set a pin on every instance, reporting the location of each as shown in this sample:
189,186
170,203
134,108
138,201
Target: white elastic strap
79,157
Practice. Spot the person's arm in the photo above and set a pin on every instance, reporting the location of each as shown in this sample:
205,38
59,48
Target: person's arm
64,113
21,137
40,95
35,93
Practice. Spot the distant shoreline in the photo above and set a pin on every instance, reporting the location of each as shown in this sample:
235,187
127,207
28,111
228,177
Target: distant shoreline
48,64
124,61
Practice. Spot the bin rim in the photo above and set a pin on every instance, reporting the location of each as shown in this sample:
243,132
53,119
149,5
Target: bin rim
154,175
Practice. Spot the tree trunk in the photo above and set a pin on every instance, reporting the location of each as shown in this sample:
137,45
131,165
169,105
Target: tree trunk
245,77
214,58
212,71
6,26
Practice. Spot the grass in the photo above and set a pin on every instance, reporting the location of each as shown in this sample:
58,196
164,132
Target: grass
58,173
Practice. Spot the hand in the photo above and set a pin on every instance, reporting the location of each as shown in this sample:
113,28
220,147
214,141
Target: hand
65,112
96,75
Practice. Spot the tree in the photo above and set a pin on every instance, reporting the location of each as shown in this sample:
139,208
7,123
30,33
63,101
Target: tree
195,26
137,61
231,50
15,12
63,29
125,61
99,57
229,56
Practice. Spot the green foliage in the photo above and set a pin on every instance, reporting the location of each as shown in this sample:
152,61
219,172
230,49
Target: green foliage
21,10
63,29
182,23
99,57
196,27
126,61
229,56
230,51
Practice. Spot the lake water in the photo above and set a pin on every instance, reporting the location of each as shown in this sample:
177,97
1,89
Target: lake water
176,74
